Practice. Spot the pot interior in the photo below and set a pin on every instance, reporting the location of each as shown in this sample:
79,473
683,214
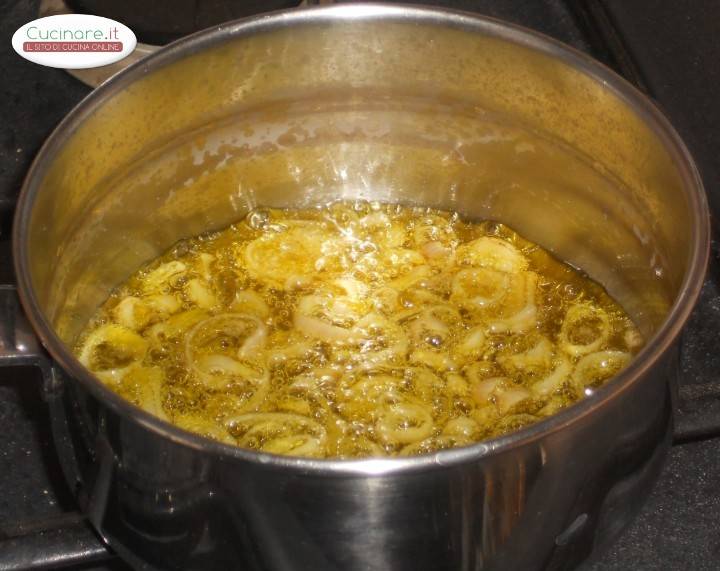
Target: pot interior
378,104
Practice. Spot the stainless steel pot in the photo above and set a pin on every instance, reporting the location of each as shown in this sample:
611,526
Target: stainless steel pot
377,102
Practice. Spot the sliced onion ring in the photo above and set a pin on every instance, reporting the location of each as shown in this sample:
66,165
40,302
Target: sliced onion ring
279,433
573,318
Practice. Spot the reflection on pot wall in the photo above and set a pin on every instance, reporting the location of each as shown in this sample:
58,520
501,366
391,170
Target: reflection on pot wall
405,151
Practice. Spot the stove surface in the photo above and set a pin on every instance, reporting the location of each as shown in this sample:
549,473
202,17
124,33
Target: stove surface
669,49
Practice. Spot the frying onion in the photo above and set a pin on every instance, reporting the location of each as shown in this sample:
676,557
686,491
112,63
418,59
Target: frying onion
585,329
279,433
356,330
595,368
403,423
493,253
111,350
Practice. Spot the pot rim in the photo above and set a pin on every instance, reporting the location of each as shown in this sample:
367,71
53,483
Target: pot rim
656,347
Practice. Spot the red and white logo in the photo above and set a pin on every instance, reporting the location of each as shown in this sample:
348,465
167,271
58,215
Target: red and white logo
74,41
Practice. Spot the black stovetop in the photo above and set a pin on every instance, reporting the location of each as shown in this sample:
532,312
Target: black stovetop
669,49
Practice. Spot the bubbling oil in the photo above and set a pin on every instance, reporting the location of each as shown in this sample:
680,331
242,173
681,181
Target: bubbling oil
357,329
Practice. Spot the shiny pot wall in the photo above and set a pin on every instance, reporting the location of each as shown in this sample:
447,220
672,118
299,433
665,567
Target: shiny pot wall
374,102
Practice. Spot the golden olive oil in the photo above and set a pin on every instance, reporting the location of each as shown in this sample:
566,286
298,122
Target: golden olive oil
357,329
